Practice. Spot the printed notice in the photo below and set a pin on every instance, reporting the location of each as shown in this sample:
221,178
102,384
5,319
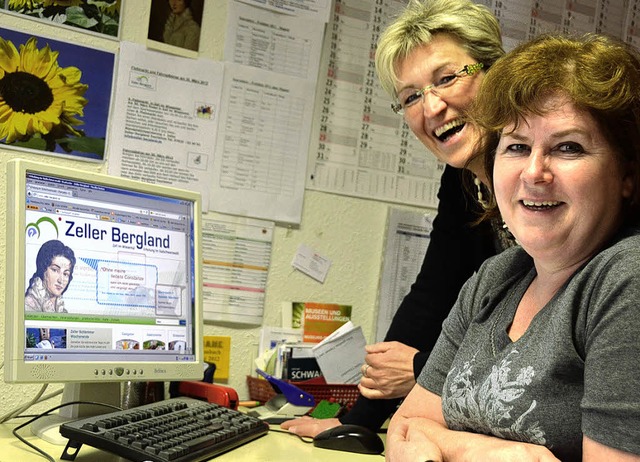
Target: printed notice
235,261
261,155
406,244
273,42
169,109
314,9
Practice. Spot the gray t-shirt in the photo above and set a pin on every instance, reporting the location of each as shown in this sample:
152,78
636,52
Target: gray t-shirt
575,371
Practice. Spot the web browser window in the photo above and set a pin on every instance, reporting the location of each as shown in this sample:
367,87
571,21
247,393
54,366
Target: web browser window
108,273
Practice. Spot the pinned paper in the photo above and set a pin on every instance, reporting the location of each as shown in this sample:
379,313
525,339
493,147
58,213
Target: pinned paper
311,263
217,350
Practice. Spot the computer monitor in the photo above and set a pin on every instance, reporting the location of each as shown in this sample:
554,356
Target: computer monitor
103,282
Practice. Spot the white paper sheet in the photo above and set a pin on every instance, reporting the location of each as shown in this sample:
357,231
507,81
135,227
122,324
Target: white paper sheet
314,9
405,246
236,258
169,108
341,355
261,154
274,42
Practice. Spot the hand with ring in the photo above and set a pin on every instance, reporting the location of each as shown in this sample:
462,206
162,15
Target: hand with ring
363,369
387,372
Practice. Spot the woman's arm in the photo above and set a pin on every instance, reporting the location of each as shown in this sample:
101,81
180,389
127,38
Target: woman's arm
408,435
418,432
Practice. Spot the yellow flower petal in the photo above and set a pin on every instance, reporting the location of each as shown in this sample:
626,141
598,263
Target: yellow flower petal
51,104
9,57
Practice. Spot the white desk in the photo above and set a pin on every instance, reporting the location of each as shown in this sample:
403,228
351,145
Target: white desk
273,447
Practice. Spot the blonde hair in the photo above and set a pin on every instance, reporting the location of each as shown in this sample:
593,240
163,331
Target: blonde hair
473,25
597,73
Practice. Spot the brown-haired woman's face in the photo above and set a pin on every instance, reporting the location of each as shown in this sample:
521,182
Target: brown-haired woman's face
559,184
57,274
437,120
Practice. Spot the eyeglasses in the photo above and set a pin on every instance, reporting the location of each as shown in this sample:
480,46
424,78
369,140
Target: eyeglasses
408,97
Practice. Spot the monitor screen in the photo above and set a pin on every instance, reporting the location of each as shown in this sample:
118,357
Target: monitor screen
102,278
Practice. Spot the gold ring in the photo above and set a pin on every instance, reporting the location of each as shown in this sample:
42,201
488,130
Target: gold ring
364,369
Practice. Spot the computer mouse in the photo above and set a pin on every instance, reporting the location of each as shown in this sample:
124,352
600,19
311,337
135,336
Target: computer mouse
350,438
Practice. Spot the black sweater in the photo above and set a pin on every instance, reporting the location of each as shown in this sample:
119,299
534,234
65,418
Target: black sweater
456,250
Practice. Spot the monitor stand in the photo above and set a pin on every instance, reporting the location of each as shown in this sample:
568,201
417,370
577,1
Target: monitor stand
47,426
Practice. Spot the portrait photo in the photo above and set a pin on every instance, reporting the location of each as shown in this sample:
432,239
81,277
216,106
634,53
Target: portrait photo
176,23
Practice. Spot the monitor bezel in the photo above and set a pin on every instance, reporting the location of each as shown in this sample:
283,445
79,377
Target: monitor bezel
16,369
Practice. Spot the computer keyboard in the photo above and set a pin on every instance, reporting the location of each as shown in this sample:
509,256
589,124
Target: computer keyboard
176,430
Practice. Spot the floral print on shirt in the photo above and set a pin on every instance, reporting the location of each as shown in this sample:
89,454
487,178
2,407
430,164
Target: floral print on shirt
487,407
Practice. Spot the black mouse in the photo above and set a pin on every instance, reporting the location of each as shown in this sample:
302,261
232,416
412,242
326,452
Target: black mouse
350,438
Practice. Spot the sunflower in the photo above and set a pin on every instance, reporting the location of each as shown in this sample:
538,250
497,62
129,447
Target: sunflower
16,5
37,96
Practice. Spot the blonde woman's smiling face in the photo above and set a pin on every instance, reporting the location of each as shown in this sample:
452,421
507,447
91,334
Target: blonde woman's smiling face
437,121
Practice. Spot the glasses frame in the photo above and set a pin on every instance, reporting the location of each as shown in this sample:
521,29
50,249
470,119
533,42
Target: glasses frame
467,70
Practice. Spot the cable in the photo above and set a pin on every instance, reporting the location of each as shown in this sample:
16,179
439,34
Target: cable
35,400
24,407
46,413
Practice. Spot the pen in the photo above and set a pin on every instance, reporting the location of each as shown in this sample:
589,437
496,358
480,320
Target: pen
249,403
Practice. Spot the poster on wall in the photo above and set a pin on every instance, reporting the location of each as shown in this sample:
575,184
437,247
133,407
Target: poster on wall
55,96
100,17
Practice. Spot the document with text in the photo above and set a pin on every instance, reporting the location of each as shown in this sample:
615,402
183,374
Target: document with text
261,154
274,42
314,9
235,261
168,109
405,246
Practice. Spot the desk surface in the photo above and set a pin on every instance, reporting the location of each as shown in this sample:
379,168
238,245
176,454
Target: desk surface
273,447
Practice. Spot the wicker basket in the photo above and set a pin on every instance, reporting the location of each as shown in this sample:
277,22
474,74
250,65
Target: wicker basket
261,390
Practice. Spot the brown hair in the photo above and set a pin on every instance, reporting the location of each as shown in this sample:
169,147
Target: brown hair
599,74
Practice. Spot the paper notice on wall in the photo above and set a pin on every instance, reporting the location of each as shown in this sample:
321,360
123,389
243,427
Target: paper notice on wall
406,244
168,110
235,261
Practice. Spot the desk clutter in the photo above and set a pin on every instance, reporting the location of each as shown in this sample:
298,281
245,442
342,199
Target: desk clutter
343,394
318,349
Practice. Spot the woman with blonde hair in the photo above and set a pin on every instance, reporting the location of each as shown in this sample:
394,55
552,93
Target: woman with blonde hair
431,60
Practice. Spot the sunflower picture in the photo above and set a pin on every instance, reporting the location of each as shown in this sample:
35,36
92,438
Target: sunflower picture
99,16
54,96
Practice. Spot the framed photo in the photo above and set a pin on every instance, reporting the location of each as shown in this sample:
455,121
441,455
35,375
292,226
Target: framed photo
56,96
94,16
175,26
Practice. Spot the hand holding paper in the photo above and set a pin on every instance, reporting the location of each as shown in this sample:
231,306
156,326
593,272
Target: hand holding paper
341,354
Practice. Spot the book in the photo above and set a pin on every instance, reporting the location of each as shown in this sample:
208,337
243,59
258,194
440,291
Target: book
300,363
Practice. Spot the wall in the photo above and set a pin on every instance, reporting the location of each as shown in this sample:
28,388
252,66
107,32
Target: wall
348,231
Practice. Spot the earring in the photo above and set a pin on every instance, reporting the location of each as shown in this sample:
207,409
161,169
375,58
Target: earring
508,233
481,200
